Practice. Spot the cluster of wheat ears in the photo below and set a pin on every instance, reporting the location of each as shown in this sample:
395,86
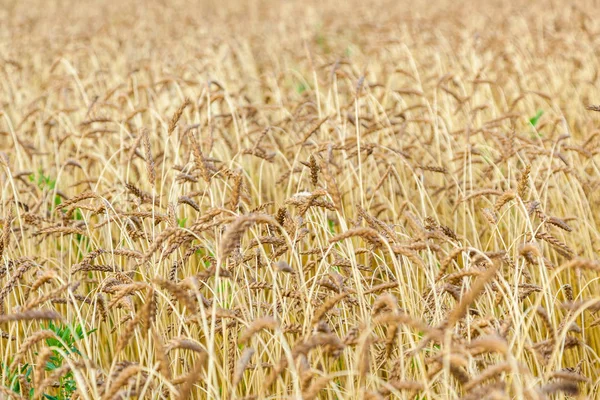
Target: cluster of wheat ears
274,199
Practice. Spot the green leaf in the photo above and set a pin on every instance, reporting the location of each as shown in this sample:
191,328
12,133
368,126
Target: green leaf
301,88
77,215
43,181
50,366
331,225
535,119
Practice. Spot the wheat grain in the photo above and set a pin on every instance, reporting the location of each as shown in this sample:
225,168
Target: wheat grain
241,365
177,115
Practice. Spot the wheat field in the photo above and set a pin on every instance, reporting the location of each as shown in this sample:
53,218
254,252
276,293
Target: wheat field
299,200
